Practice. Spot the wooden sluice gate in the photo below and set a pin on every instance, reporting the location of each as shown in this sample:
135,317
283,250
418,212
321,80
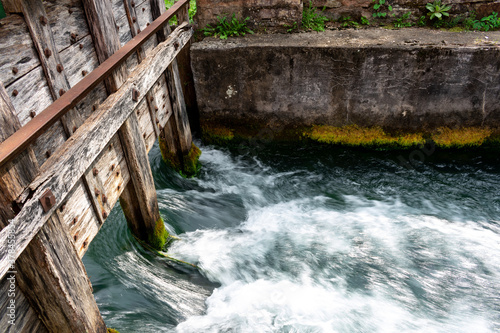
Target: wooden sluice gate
87,88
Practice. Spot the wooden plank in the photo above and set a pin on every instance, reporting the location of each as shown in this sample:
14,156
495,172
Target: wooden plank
79,60
162,99
26,319
103,29
62,171
33,95
146,127
123,30
19,56
67,22
17,174
58,284
77,213
130,9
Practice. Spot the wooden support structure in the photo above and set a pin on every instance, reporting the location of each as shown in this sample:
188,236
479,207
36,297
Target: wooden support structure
176,142
140,194
97,153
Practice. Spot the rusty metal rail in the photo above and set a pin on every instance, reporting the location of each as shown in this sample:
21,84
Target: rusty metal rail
21,139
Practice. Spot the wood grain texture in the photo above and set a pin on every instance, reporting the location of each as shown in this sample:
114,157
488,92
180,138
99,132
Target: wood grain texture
26,318
76,59
102,26
180,117
63,170
142,178
67,22
17,174
58,284
17,49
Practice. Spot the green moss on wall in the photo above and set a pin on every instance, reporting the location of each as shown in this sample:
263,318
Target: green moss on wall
112,330
169,157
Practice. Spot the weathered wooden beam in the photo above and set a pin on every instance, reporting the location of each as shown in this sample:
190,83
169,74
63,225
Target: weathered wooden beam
132,197
17,174
67,165
55,282
39,281
177,145
41,34
141,54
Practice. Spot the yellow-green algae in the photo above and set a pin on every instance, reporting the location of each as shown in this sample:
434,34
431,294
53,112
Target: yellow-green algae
160,235
190,162
460,138
218,135
188,165
112,330
169,157
356,136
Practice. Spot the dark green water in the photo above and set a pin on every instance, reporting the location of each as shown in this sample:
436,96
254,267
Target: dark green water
290,239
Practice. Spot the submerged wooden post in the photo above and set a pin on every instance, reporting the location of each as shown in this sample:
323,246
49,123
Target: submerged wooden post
50,272
176,142
138,199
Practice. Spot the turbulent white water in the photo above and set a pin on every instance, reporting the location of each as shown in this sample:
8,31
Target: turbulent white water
323,242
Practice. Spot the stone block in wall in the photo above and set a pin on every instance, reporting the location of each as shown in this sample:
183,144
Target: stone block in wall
262,13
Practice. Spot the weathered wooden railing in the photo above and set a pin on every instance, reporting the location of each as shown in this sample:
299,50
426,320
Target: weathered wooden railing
103,159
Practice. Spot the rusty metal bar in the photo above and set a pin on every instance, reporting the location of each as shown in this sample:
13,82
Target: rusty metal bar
18,141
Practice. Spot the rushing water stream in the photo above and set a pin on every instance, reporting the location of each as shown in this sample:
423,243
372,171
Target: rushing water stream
311,240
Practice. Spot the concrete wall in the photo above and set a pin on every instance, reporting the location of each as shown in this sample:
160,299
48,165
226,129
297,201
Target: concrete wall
409,80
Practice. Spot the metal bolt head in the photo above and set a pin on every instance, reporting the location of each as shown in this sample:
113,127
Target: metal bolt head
48,153
74,129
15,70
135,95
32,114
134,19
81,46
112,167
132,4
61,92
48,200
104,199
75,238
138,30
84,73
47,52
104,214
43,20
15,92
59,68
95,171
97,192
75,219
70,11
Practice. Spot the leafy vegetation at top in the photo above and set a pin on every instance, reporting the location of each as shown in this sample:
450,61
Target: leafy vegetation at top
228,27
380,8
192,7
313,20
487,23
437,10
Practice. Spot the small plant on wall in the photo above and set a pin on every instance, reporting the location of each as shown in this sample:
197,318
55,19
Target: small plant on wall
312,20
228,27
437,10
382,8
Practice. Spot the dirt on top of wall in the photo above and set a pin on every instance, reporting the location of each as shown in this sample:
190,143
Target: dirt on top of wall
373,37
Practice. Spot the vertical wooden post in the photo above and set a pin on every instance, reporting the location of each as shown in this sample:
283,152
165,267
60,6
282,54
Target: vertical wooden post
51,275
138,200
176,142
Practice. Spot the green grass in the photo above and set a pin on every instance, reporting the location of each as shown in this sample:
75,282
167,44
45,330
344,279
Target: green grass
312,20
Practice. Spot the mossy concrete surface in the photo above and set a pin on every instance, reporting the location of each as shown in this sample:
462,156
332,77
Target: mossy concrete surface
397,83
